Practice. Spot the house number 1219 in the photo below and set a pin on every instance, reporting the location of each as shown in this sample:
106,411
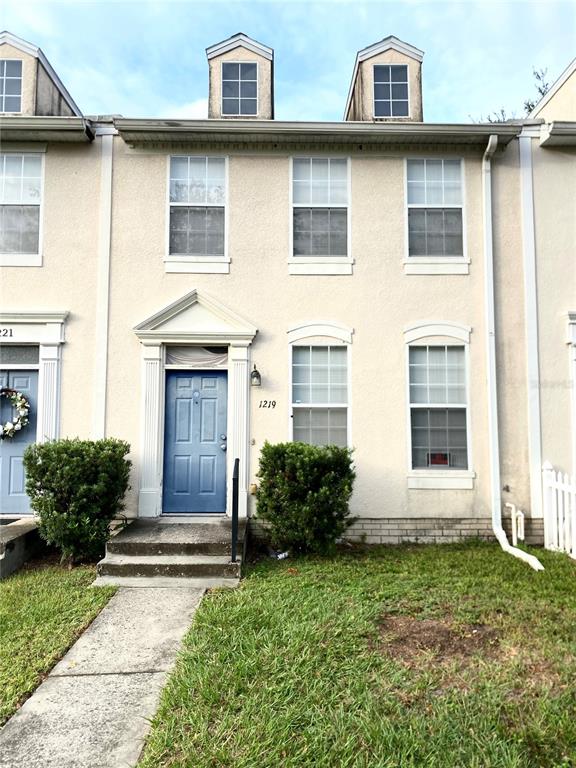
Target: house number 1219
267,404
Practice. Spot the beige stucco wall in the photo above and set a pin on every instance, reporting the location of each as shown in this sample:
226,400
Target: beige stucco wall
67,279
265,95
378,301
28,76
363,94
510,328
562,105
555,229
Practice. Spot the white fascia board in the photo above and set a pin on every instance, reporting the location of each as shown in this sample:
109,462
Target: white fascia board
570,69
389,43
237,41
33,50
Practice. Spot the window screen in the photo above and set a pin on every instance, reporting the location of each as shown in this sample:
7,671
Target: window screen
10,85
435,208
319,383
438,407
391,90
20,198
320,206
197,206
240,88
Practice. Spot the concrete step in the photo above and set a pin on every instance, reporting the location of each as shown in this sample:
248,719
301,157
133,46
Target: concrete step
163,582
173,566
152,538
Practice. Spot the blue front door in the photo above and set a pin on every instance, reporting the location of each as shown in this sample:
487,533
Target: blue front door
195,442
13,498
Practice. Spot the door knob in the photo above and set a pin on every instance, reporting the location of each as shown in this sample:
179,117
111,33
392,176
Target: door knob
222,437
223,446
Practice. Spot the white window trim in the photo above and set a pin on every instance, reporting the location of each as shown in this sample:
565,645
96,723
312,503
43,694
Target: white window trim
28,259
429,334
181,263
321,334
19,111
229,114
391,117
436,265
320,265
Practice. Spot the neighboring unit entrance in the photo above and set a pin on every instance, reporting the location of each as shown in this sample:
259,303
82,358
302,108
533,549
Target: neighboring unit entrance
195,442
13,498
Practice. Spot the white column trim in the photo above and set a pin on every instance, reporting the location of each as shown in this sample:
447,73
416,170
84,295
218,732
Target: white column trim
48,421
238,424
531,326
45,328
103,287
152,424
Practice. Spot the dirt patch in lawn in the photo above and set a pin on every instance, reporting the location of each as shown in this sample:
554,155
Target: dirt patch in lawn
407,638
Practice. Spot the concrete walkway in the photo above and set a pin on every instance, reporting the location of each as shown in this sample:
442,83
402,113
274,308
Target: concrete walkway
93,710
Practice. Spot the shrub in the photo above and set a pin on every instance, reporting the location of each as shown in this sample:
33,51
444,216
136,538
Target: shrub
304,493
76,487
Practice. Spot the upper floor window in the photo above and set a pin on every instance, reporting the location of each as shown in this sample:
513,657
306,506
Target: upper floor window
391,90
10,85
197,206
320,394
320,207
435,227
239,88
438,419
20,201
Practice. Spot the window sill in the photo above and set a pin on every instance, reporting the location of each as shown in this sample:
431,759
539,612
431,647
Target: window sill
197,265
20,259
453,479
433,265
327,265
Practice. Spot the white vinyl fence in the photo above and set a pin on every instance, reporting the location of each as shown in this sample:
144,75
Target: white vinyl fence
559,510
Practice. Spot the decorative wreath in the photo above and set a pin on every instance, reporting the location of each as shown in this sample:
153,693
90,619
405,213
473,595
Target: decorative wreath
21,405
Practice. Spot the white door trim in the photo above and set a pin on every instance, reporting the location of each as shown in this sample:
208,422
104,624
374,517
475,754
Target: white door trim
178,324
46,329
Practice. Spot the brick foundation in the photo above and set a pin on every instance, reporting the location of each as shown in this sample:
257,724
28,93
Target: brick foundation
445,530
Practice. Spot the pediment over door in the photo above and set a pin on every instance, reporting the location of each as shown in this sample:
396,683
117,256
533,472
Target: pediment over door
196,318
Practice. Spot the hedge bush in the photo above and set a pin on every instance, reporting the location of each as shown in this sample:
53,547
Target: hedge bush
76,487
304,493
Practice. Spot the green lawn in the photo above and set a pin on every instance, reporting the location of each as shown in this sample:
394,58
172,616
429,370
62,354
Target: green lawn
42,611
452,656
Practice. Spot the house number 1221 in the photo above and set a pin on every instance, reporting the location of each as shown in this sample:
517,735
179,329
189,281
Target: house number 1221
267,404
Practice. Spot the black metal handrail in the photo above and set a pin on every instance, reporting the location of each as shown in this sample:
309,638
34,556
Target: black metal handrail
235,474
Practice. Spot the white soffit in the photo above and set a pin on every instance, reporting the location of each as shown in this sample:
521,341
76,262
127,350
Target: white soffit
32,50
387,44
239,40
570,69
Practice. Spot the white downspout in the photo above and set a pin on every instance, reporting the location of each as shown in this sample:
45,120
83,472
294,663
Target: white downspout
495,496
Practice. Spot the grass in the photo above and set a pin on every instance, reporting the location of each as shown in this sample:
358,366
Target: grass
43,609
305,664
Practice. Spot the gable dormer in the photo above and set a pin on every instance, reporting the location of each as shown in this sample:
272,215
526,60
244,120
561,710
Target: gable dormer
28,83
386,83
559,103
241,79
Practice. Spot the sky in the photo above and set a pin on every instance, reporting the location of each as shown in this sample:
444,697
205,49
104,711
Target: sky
147,58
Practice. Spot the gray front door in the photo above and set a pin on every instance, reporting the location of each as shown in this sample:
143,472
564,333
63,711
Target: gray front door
13,498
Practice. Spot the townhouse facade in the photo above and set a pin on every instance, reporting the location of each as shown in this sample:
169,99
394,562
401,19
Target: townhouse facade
197,287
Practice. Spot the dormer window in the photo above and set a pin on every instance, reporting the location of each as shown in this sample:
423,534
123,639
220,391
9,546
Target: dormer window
391,90
10,85
239,88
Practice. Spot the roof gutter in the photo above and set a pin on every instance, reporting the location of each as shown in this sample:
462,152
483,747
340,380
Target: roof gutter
495,495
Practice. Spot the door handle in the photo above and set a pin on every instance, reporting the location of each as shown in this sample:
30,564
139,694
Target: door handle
223,447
